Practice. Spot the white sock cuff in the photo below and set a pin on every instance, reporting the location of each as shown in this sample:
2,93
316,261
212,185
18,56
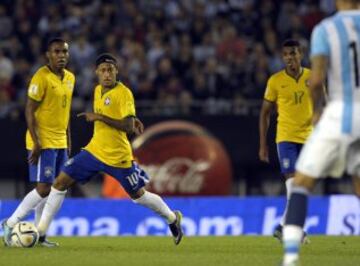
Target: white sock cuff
141,199
289,182
299,190
59,192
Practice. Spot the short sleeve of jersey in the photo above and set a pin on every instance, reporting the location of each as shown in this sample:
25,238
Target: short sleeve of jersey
36,90
319,41
127,104
270,92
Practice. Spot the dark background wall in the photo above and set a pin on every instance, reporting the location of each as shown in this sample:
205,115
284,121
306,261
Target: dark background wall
239,135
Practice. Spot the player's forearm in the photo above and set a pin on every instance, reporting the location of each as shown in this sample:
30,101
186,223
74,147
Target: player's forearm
317,95
32,125
126,124
263,128
318,75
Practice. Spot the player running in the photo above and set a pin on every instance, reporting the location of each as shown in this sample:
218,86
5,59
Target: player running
109,150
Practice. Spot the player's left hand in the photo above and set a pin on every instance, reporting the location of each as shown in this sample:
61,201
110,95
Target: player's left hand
90,117
139,126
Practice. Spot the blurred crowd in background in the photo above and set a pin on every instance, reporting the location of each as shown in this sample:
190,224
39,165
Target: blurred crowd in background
178,57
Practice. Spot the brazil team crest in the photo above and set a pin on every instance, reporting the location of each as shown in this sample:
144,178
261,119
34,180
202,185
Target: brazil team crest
69,85
307,82
48,171
107,101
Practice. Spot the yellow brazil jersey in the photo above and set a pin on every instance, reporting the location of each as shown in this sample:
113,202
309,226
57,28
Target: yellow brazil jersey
294,105
52,115
108,144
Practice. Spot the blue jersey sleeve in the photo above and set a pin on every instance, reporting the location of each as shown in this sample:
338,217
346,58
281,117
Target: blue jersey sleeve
319,41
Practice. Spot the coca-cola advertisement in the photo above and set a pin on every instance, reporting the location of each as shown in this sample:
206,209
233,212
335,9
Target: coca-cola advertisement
183,158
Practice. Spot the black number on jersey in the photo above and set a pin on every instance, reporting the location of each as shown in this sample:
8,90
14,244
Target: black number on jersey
64,101
354,49
298,95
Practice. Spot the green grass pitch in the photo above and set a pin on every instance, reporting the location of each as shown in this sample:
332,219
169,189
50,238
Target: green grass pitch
149,251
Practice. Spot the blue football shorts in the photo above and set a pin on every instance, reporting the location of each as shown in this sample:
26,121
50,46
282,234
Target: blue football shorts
83,166
288,153
48,166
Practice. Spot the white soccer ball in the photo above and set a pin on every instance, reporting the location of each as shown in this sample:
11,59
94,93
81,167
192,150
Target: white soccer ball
24,235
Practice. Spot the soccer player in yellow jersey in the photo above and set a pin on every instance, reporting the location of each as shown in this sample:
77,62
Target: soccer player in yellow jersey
109,150
288,92
47,114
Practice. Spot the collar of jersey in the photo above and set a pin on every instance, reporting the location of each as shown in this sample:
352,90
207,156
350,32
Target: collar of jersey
297,80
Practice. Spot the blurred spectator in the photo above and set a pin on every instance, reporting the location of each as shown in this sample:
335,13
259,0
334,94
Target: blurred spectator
215,82
327,6
205,49
6,67
312,16
82,52
230,45
6,25
182,56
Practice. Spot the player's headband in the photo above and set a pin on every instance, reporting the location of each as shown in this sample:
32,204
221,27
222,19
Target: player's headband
106,58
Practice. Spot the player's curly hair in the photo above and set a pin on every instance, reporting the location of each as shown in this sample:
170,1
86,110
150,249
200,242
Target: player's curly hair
291,43
54,40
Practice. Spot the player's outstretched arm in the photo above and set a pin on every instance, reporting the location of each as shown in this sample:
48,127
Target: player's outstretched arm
130,125
264,123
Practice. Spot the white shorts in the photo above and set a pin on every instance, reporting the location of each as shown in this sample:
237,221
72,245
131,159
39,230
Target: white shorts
329,153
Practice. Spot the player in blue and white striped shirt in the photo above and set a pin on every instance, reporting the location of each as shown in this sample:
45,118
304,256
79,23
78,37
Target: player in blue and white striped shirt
334,145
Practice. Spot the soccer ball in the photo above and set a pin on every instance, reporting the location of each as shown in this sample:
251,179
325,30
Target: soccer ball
24,235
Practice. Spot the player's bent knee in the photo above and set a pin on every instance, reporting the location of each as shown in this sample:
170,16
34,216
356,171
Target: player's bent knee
137,194
289,175
43,189
357,191
63,182
304,181
356,181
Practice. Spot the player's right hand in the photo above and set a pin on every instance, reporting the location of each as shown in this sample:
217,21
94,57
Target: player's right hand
138,126
264,154
35,154
89,116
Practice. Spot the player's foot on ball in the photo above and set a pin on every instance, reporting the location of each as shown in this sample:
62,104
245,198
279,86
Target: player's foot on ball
7,233
176,229
278,232
43,241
